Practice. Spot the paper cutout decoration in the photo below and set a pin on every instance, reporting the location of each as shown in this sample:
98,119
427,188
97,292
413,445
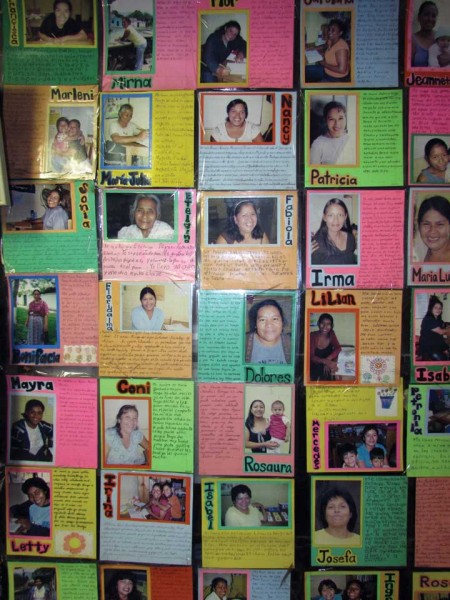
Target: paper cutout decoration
431,525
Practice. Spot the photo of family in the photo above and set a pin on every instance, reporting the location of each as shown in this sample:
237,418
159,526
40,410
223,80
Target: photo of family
34,311
139,217
129,36
430,34
151,498
32,434
71,139
59,23
268,420
37,207
29,502
337,586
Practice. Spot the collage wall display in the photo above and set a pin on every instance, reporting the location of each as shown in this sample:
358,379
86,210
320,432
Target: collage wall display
226,248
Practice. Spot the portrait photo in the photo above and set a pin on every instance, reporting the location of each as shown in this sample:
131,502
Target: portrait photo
32,421
267,419
438,410
34,305
126,131
337,512
251,504
333,345
429,159
328,47
268,326
156,307
129,35
144,216
248,221
430,34
59,23
143,497
37,207
356,445
431,327
339,585
334,227
230,118
32,583
29,503
229,585
430,227
333,129
124,583
127,432
223,47
70,139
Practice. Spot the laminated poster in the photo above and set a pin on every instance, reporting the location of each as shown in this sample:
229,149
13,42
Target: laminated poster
150,582
354,428
353,338
54,319
432,524
57,579
247,141
44,421
259,37
250,584
149,233
428,432
354,138
51,512
426,60
350,515
146,140
248,523
44,44
354,239
149,44
145,329
429,236
430,351
247,336
429,139
146,517
257,429
249,240
50,226
431,585
335,42
158,418
379,585
59,131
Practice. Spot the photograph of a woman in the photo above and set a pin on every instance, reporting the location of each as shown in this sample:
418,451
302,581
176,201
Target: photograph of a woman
150,498
429,19
335,30
431,243
370,437
257,434
267,341
333,132
37,320
324,350
243,226
219,589
244,512
433,344
328,590
334,243
59,27
145,213
125,443
147,316
224,585
236,128
32,517
225,45
336,513
267,422
31,437
124,584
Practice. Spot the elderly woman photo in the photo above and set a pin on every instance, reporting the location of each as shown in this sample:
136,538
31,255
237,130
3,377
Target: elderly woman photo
266,343
334,243
219,589
338,517
32,437
122,586
236,127
334,146
433,222
59,27
33,516
335,65
125,444
244,512
125,140
225,40
55,216
434,334
243,226
145,221
147,316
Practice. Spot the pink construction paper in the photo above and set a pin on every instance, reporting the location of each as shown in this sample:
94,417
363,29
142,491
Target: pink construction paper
79,314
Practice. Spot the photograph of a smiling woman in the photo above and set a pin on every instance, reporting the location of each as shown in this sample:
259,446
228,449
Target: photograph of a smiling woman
333,129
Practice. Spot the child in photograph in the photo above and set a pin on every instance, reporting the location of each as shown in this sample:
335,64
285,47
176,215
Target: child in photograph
348,454
279,427
441,46
377,458
60,145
